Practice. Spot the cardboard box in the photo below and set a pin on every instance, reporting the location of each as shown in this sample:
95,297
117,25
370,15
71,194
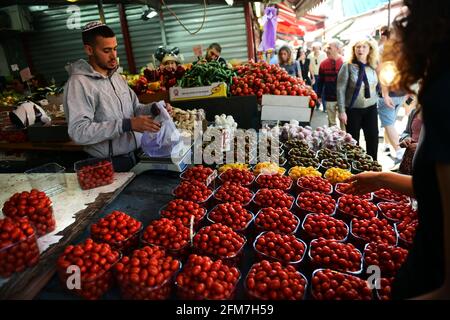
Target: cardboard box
215,90
285,108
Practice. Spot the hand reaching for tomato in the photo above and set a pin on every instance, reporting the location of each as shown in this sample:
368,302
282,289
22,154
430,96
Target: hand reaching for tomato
364,183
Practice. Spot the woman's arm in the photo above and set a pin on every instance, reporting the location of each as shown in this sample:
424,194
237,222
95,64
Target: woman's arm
372,181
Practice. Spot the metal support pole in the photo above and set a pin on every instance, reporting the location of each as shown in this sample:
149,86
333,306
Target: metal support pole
389,14
101,12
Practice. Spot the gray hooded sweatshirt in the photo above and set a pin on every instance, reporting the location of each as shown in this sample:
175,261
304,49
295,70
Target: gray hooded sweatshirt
98,109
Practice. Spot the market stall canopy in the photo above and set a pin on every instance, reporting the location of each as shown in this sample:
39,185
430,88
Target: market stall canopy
301,7
287,21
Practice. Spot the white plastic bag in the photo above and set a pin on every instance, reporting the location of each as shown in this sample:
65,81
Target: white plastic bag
161,144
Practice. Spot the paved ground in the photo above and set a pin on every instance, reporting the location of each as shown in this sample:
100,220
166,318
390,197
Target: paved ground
320,119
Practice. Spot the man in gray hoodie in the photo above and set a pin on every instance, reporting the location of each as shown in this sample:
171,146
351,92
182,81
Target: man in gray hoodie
103,113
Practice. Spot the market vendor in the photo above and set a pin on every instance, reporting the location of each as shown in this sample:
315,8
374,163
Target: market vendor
103,113
213,54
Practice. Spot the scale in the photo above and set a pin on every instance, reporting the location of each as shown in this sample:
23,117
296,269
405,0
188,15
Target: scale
174,164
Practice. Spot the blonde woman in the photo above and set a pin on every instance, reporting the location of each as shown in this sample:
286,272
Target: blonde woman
357,93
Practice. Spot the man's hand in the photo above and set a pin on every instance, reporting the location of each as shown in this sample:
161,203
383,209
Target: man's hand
169,109
313,80
144,123
343,117
388,102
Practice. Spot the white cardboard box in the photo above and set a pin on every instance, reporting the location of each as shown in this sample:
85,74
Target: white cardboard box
285,108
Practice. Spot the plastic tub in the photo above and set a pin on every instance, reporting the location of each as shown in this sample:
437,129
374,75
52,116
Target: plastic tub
93,173
260,229
338,194
248,185
361,242
347,217
131,291
306,212
242,230
262,187
390,219
377,199
210,179
263,256
197,222
313,294
315,265
311,237
125,246
18,256
254,296
188,294
301,189
49,178
324,169
261,207
202,203
243,204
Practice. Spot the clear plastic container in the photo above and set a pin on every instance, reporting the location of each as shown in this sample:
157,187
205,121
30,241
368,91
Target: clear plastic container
321,157
316,265
313,293
259,229
125,246
197,221
210,179
131,291
262,256
243,204
179,254
404,243
248,185
91,289
49,178
203,203
232,261
311,237
304,212
260,207
384,211
93,173
301,163
241,230
361,242
347,217
18,256
188,294
377,199
261,187
301,189
255,296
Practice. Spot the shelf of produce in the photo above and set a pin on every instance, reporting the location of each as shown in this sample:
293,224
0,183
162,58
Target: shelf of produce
42,146
74,210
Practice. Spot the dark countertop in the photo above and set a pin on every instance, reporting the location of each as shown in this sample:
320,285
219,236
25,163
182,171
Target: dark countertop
142,199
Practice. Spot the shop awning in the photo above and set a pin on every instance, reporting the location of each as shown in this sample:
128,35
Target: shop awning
287,21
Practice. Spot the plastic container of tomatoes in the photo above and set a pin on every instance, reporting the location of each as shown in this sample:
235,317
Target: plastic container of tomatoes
304,213
125,246
254,296
90,289
243,231
378,199
313,295
248,185
262,256
132,291
305,235
231,261
19,256
218,201
301,189
401,241
347,217
361,243
337,194
315,265
258,207
197,222
205,203
94,172
189,294
384,215
259,229
263,174
210,179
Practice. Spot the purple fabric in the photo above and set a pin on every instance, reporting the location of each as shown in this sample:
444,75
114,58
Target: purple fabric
269,21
